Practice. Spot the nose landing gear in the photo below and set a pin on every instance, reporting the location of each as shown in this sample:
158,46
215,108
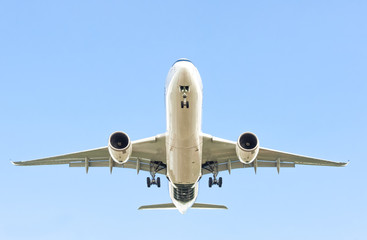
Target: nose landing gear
185,103
184,90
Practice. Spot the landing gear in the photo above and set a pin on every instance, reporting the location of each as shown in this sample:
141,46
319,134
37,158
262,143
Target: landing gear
154,168
220,182
185,103
153,181
184,90
213,168
214,181
148,182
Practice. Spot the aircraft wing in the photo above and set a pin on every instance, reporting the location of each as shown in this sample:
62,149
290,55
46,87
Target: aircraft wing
223,152
144,152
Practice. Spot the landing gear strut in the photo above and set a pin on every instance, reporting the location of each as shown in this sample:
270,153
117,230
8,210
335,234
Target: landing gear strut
154,168
184,90
213,168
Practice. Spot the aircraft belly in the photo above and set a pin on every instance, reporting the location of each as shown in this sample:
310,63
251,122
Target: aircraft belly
184,166
184,150
184,143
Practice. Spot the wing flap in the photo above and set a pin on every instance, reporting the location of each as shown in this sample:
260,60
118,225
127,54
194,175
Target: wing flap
224,166
144,165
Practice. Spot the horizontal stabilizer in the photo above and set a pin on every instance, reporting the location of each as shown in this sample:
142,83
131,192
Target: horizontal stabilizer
208,206
172,206
158,206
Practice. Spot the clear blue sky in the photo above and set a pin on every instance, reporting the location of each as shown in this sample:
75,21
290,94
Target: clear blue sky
293,72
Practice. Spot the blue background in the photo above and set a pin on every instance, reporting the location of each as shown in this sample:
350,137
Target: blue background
73,72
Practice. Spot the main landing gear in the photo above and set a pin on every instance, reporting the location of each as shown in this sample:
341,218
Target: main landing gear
215,181
153,181
213,168
154,168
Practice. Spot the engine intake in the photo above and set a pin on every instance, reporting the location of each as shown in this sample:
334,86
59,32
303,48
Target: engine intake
247,147
119,147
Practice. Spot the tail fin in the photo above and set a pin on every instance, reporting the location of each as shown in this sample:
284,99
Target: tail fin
172,206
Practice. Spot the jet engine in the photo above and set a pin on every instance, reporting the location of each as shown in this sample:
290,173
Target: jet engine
119,147
247,147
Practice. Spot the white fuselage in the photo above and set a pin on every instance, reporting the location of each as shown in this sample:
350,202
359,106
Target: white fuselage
184,142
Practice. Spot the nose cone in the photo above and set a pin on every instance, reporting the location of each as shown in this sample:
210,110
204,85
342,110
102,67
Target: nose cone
184,75
185,72
182,60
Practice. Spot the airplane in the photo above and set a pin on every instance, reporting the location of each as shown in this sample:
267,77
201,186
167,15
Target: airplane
183,153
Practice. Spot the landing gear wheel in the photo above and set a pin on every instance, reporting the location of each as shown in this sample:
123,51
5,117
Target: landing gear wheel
210,182
185,104
220,181
159,182
148,182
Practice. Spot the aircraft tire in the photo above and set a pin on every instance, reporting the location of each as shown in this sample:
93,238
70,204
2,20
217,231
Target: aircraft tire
159,182
148,182
210,182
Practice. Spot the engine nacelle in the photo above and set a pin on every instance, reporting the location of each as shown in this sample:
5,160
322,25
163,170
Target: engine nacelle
247,147
119,147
